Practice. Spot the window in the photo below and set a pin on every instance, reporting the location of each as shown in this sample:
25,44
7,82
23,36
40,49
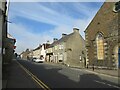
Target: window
80,58
61,46
116,7
56,47
61,56
100,46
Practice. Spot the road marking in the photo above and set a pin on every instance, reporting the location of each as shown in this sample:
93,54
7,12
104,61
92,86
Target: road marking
106,84
99,82
38,81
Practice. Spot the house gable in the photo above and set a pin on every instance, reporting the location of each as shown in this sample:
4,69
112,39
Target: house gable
103,22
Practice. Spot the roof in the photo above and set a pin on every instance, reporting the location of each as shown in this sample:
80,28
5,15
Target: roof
10,36
40,46
100,12
37,48
63,39
94,17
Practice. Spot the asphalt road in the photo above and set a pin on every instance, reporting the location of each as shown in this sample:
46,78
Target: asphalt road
59,76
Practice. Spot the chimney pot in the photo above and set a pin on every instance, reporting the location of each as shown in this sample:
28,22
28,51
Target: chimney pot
63,34
55,39
75,29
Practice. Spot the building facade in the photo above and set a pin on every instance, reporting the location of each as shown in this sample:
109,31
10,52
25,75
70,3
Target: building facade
6,41
49,54
69,50
10,48
39,52
102,41
25,54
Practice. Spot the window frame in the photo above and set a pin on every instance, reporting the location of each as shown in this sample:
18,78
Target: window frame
100,46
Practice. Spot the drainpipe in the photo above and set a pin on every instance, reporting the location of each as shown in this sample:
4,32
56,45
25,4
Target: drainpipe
119,58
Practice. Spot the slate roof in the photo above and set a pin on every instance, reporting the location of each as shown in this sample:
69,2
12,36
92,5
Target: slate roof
63,39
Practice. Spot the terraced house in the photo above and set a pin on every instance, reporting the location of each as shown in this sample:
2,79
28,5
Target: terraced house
102,41
38,52
69,50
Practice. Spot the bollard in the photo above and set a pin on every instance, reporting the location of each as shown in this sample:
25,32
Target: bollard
87,66
93,67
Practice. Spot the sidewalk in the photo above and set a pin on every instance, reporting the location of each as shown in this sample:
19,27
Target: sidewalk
15,77
114,73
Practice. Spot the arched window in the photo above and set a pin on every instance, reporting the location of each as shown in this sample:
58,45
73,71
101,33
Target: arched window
100,46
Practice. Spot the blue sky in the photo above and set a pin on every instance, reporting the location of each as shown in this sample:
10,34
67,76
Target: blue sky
34,23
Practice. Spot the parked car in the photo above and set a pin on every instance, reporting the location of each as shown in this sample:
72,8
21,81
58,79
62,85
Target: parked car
33,59
38,60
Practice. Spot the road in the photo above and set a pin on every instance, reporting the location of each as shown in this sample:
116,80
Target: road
59,76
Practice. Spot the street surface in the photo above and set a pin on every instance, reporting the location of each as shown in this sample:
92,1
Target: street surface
59,76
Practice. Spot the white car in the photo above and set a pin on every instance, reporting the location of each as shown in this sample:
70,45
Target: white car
38,60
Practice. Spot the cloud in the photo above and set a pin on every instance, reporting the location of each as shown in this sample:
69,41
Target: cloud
38,13
62,0
26,39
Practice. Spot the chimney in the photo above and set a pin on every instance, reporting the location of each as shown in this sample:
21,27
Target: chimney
48,42
63,35
55,39
76,30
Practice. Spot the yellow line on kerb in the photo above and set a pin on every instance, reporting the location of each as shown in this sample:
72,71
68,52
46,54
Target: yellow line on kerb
38,81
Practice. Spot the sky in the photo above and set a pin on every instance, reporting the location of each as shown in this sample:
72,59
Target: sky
34,23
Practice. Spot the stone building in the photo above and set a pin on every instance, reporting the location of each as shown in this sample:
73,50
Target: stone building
49,53
10,48
39,52
25,54
3,28
6,40
69,50
102,41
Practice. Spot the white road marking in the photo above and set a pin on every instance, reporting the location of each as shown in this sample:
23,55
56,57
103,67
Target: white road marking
99,82
107,84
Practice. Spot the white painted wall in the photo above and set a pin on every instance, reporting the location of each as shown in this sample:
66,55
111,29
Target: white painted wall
43,52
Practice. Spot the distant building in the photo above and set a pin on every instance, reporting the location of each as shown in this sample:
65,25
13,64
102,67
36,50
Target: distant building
43,50
25,54
38,52
102,41
69,50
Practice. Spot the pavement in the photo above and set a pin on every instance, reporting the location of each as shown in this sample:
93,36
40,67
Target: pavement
114,73
109,72
15,77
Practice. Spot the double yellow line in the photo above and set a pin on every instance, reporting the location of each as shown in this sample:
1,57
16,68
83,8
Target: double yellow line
38,81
